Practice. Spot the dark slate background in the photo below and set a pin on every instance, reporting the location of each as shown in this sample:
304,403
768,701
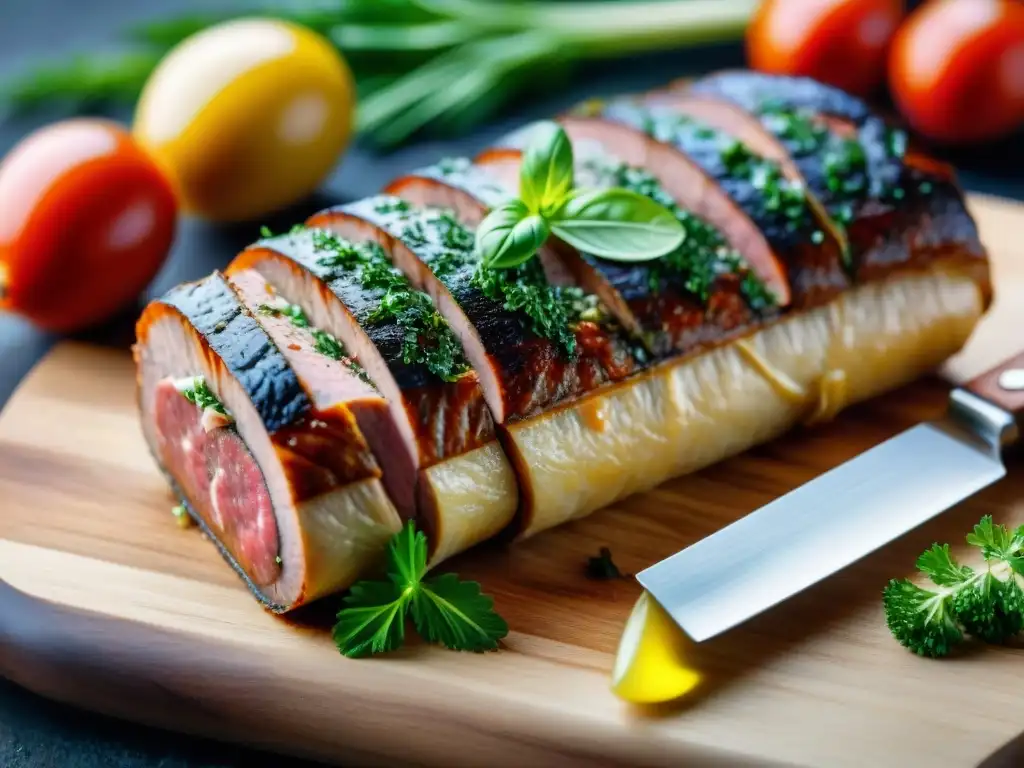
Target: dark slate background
35,733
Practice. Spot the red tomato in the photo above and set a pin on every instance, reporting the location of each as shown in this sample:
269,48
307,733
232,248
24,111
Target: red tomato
840,42
956,69
86,220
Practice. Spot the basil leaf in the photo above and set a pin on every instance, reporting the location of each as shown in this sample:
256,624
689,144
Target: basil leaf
546,173
510,235
618,224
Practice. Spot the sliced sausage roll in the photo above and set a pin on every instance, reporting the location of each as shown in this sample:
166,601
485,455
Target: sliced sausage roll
366,367
438,433
554,349
280,478
897,208
755,185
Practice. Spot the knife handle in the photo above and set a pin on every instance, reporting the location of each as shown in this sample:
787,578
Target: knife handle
1003,385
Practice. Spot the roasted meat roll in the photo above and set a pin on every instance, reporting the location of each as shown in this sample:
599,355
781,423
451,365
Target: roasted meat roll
535,345
436,444
280,477
366,367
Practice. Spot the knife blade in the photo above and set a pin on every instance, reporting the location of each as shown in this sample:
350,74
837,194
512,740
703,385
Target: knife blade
848,512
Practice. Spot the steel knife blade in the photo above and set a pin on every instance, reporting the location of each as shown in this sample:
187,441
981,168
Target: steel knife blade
848,512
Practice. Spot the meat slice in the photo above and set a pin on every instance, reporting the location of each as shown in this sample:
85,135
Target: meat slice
700,295
776,206
896,209
691,188
334,381
436,409
532,344
290,493
764,94
743,126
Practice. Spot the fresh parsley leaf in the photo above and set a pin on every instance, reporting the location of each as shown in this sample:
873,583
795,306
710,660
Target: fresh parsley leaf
373,619
996,541
407,557
444,609
455,614
987,603
990,609
920,619
938,564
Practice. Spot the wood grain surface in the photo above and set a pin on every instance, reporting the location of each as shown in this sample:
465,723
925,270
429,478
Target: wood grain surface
108,605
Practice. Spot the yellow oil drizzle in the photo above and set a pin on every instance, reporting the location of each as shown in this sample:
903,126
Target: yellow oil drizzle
832,395
651,663
779,381
593,414
829,392
832,386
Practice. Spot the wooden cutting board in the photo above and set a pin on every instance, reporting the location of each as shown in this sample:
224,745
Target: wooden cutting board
111,607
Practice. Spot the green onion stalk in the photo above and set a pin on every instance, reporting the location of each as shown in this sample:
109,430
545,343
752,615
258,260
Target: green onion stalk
443,64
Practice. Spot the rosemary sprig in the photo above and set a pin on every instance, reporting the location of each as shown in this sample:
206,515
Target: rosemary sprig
446,64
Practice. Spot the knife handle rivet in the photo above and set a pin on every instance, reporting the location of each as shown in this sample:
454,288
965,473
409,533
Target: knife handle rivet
1012,379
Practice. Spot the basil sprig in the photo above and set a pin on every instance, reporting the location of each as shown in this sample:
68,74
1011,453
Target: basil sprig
614,223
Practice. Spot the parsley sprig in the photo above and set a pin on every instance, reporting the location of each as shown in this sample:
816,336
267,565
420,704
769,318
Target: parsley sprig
198,392
427,339
444,609
987,603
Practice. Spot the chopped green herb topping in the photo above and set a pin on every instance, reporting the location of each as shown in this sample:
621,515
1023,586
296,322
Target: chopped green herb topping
453,234
802,134
779,194
392,205
449,166
552,310
845,166
427,338
198,392
283,309
323,342
896,143
327,345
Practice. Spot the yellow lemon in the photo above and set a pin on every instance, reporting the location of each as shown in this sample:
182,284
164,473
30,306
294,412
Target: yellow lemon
650,665
247,117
